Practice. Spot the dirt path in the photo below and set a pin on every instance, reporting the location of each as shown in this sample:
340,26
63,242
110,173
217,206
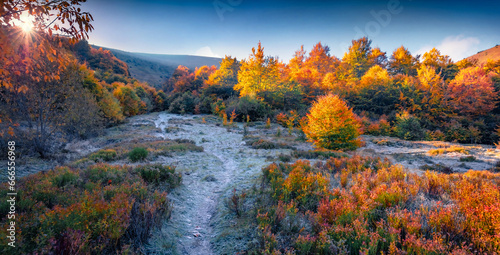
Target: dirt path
208,177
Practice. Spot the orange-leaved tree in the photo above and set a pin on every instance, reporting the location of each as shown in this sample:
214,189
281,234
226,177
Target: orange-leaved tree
26,27
331,124
471,93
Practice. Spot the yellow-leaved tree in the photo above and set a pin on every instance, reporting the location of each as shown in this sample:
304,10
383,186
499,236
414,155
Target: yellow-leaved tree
331,124
258,73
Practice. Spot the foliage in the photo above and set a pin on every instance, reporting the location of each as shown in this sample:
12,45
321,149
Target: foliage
360,57
408,127
160,174
471,93
138,154
51,103
184,103
375,92
331,124
371,207
289,120
435,60
99,210
99,59
226,76
129,100
255,108
258,73
318,154
402,62
268,145
78,22
31,57
218,107
104,155
235,203
380,127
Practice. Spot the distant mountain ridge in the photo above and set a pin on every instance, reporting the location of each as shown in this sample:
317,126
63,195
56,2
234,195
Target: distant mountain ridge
156,69
483,56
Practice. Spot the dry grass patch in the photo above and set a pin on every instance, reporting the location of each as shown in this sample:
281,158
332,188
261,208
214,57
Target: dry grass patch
454,148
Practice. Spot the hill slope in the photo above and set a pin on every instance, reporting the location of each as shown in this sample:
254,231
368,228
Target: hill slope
155,69
483,56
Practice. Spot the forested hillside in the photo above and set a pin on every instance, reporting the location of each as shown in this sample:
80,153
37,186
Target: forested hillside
156,69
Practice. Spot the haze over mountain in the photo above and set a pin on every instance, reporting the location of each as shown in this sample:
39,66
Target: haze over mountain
155,69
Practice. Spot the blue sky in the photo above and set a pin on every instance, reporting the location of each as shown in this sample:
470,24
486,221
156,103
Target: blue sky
233,27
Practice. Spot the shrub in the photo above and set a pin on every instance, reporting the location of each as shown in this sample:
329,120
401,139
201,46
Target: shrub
256,109
158,173
103,209
183,104
408,127
204,105
376,208
496,167
137,154
438,168
268,145
66,178
436,135
218,107
181,147
235,203
129,101
331,124
104,155
455,132
318,154
103,173
284,157
468,159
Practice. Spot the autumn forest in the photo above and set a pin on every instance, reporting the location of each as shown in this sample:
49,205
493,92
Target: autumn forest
100,162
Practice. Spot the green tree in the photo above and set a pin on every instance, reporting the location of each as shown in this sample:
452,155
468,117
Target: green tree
408,127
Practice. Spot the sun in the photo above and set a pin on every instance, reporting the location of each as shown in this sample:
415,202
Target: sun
26,23
27,27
